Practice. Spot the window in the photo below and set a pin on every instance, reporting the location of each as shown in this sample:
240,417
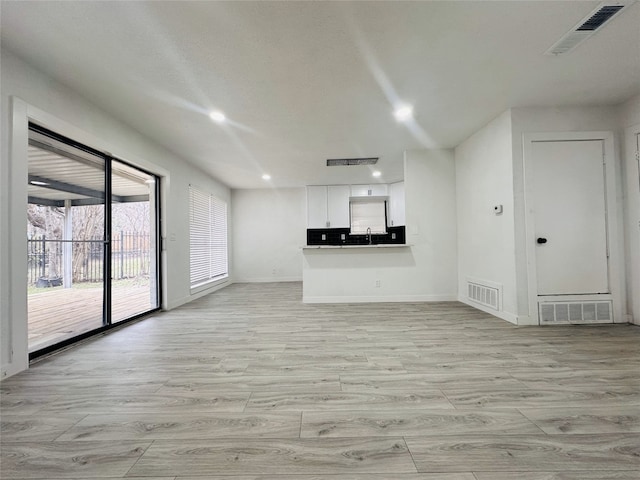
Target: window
207,237
367,214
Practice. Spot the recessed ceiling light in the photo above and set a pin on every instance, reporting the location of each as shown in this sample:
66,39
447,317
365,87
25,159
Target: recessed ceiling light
266,176
217,116
38,183
376,173
403,113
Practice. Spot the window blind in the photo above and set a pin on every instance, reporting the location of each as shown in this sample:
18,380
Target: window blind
207,237
365,214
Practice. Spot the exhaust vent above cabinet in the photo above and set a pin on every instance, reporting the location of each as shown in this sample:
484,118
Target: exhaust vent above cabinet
587,27
345,162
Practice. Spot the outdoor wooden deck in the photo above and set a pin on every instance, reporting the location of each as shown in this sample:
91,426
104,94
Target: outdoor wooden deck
62,313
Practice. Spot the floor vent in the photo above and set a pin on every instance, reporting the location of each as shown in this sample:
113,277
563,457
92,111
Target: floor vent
484,293
575,312
587,27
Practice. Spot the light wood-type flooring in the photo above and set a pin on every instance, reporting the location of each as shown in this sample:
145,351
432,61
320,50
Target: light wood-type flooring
250,384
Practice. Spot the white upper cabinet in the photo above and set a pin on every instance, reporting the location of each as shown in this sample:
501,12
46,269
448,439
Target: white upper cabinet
328,206
338,206
359,190
317,206
373,190
396,204
379,189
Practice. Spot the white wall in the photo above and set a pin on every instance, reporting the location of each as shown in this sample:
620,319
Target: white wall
560,119
425,271
486,244
430,204
630,123
55,106
269,229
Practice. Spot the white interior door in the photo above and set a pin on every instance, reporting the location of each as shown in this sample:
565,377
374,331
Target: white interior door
570,217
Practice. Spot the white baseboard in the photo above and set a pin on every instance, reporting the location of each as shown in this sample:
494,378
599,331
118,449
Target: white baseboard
509,317
11,369
267,279
626,319
184,300
380,299
176,303
526,320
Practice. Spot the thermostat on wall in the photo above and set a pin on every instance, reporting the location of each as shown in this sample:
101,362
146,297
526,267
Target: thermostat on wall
497,209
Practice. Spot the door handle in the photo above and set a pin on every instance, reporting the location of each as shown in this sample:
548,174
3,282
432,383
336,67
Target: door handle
541,240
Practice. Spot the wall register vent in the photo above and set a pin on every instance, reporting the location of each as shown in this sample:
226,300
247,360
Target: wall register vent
345,162
558,313
485,293
587,27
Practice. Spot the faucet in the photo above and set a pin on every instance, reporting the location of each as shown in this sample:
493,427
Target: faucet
369,235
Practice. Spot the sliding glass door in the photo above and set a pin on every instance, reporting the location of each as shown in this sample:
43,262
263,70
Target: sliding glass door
134,286
76,196
65,242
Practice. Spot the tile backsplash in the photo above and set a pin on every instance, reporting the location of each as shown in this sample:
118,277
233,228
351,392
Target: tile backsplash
341,236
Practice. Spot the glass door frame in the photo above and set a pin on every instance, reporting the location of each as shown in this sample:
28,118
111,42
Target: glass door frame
107,323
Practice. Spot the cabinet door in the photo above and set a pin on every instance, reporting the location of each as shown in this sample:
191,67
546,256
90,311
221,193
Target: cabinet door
379,189
396,204
360,190
338,206
317,207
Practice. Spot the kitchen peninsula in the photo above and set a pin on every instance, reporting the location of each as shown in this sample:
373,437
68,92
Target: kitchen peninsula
422,268
355,273
355,241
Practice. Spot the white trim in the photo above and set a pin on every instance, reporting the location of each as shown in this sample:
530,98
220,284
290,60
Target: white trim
205,287
202,293
509,317
380,299
632,211
16,282
527,321
268,279
615,264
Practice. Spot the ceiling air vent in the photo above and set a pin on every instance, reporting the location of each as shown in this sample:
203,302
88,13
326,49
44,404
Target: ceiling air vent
597,19
587,27
344,162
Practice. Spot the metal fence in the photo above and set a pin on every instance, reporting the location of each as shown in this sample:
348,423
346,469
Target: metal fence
130,258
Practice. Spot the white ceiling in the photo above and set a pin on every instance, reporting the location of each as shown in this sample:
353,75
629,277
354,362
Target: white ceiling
305,81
